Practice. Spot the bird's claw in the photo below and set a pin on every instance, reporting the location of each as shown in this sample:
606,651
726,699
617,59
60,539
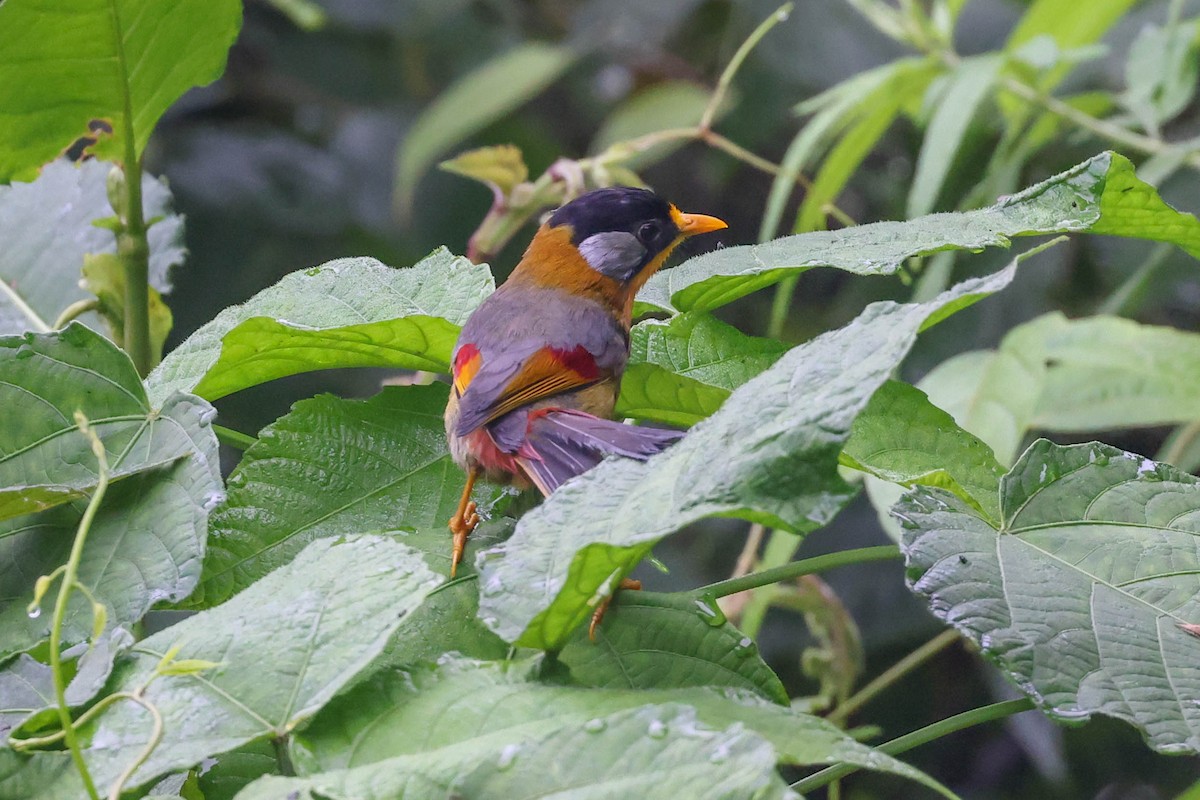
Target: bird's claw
598,614
461,526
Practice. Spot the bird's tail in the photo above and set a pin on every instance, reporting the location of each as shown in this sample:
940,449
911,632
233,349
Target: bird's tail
562,443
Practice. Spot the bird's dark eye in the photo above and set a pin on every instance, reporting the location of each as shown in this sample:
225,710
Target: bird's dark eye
649,231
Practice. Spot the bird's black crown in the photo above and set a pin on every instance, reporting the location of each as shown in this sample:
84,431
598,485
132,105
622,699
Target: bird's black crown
619,208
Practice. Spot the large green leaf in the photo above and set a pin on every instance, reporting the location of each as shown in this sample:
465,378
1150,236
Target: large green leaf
98,59
1108,372
1080,592
44,459
473,102
282,649
1053,373
148,538
778,438
1101,195
380,464
354,312
47,229
461,713
681,370
902,438
651,752
659,641
27,685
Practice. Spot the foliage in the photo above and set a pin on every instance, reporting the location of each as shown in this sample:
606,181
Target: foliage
316,647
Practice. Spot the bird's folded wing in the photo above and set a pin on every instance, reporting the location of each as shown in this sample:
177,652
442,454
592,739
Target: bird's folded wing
488,391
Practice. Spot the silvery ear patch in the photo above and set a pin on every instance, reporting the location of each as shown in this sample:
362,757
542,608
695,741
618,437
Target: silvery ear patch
616,254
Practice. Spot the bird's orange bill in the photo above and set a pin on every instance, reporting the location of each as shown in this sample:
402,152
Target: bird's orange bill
694,224
547,372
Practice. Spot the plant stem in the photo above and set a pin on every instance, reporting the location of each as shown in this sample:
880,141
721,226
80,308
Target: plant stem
888,677
1101,127
76,310
69,579
132,247
235,439
735,63
282,760
155,737
1128,297
807,566
1187,435
967,719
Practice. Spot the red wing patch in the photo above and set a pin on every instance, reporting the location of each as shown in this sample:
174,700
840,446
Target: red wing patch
547,372
467,361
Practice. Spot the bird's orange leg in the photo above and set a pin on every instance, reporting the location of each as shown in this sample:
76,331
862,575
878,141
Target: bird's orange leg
464,520
598,614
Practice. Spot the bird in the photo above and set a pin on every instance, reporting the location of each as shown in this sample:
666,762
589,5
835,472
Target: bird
537,367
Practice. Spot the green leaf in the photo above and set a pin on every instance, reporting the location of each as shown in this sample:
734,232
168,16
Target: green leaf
44,459
1108,372
682,370
651,752
779,437
98,59
353,312
1061,20
1080,593
1161,73
660,641
902,438
970,84
235,770
993,394
27,685
482,708
381,464
1052,373
670,104
285,647
501,167
1101,195
154,516
876,113
47,227
476,100
448,619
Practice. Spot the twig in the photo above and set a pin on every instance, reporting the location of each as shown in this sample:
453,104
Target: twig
967,719
69,582
807,566
888,677
76,310
155,737
735,63
1100,127
732,604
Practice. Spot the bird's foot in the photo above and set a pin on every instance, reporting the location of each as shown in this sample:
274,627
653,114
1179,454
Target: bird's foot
598,614
461,525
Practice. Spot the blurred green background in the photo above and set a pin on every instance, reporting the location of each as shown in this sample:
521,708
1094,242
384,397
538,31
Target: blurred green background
290,161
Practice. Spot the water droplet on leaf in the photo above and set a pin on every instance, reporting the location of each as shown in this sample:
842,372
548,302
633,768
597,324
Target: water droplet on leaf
745,647
710,611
